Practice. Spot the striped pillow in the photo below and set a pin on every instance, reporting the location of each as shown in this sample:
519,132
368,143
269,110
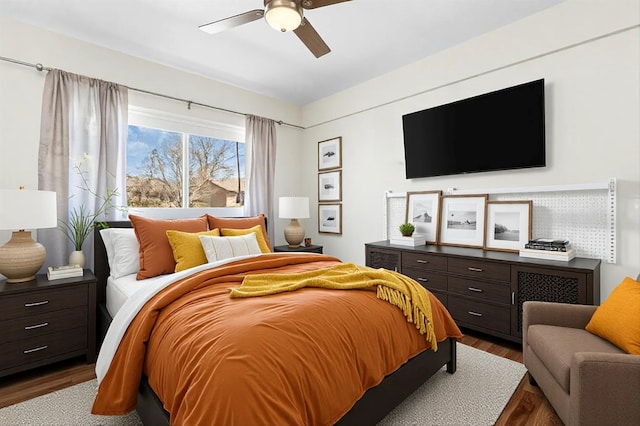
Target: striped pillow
219,248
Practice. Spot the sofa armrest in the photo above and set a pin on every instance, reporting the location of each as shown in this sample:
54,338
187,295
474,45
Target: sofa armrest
558,314
604,389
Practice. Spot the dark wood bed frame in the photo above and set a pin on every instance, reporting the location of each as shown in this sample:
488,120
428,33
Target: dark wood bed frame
374,405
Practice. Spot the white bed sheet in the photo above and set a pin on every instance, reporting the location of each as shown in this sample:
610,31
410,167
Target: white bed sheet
120,289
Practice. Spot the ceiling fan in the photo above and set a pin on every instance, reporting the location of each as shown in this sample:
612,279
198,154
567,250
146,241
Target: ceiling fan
282,15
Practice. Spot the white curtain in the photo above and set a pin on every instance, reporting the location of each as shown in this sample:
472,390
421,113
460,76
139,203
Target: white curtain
82,152
260,161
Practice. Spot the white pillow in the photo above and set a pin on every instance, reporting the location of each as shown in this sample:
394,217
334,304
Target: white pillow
122,251
219,248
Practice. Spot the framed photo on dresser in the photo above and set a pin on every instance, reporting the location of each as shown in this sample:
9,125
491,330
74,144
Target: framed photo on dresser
423,212
508,225
462,220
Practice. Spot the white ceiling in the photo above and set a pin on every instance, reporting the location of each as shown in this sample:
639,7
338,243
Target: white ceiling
367,37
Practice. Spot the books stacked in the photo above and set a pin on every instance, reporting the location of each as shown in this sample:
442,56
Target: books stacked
64,271
548,244
548,249
412,241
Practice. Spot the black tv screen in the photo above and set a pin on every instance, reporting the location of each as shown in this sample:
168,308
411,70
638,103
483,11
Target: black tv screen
499,130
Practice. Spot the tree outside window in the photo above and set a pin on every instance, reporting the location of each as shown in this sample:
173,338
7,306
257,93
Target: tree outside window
173,169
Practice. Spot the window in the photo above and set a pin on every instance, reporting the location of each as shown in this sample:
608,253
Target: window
174,161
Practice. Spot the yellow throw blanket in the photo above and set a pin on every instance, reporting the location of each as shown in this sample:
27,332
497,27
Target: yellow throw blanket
392,287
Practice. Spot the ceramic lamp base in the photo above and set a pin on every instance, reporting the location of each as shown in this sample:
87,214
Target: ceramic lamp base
21,258
294,233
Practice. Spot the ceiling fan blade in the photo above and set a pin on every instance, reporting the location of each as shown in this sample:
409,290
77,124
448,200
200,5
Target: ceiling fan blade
308,35
233,21
314,4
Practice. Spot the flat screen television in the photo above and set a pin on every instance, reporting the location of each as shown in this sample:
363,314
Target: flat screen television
500,130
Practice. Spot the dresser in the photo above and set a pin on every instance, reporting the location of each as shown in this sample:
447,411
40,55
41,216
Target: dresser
484,290
46,321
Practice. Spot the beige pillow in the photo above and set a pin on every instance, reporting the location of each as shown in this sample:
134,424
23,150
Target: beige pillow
220,248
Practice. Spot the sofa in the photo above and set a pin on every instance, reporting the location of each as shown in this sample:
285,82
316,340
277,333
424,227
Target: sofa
587,379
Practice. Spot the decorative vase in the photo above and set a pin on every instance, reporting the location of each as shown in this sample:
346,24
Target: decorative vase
76,258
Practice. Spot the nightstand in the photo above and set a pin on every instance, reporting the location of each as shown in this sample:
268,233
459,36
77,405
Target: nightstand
46,321
309,249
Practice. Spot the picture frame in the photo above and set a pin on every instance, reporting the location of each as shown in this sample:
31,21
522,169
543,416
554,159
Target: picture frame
330,219
330,154
330,186
423,211
462,220
507,225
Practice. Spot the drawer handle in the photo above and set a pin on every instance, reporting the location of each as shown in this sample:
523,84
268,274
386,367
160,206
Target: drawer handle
28,305
423,280
422,261
474,269
41,348
477,290
31,327
475,314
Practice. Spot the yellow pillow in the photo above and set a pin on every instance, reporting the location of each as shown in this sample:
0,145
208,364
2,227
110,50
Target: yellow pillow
187,248
618,318
264,246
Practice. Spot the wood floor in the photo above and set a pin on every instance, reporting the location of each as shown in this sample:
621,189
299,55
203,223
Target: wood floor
527,406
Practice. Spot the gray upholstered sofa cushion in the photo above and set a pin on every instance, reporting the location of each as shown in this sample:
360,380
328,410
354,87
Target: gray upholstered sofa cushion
555,346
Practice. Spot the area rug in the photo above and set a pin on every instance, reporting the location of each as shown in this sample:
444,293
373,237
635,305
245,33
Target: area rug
475,395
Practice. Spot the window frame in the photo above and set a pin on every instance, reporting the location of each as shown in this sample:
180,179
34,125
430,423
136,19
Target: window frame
185,125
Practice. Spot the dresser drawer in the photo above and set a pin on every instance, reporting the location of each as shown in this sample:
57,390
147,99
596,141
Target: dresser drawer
42,301
480,314
43,347
428,279
41,324
480,269
423,260
483,290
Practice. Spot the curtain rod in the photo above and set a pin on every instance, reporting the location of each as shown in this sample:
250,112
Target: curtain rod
40,67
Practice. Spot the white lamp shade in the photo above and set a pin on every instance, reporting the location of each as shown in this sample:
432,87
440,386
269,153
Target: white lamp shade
283,15
27,209
294,207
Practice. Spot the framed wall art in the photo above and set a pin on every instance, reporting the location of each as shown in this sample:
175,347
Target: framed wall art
330,218
330,154
423,211
330,186
508,225
462,220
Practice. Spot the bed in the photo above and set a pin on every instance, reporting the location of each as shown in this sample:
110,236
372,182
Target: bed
367,408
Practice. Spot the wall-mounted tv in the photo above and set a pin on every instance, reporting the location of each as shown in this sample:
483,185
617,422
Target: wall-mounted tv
499,130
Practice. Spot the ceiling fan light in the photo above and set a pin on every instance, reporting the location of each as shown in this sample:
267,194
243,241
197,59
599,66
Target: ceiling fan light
283,15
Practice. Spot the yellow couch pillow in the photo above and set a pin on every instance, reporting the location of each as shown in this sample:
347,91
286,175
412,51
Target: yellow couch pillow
187,248
264,246
618,318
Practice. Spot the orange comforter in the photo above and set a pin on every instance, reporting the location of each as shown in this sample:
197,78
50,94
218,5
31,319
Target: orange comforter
297,358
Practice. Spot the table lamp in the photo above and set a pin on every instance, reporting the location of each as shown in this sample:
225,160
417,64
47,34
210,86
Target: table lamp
294,208
22,257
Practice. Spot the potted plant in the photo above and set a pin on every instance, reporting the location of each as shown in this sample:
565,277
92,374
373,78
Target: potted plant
82,221
406,229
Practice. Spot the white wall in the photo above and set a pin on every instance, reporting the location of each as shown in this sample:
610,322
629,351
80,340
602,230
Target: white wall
592,79
21,100
593,105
